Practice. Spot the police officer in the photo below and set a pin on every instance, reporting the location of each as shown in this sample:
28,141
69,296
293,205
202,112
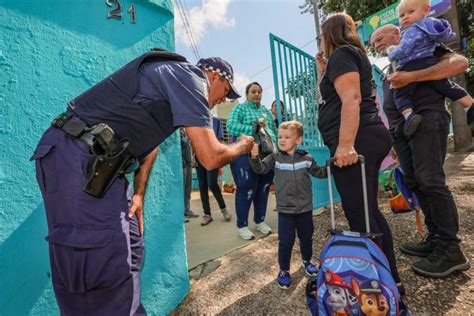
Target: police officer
95,228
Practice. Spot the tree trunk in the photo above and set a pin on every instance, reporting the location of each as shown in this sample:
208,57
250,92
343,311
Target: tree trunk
462,131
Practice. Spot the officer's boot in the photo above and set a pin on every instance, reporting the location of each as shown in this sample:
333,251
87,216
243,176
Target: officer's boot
445,259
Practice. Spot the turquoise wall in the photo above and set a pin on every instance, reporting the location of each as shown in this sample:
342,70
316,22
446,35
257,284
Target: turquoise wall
50,51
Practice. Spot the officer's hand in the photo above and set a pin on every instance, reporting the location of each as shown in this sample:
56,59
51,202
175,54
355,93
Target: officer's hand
345,156
137,209
246,143
400,79
254,152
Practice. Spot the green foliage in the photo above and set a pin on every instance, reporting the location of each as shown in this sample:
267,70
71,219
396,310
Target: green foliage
358,9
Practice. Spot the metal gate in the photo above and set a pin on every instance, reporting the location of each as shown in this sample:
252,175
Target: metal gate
295,82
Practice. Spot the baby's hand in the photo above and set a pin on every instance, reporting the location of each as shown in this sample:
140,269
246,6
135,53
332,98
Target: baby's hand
254,152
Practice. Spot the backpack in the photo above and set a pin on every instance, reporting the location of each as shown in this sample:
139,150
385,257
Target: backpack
354,279
400,197
354,274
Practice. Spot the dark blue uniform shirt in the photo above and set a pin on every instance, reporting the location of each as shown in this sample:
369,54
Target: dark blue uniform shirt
183,85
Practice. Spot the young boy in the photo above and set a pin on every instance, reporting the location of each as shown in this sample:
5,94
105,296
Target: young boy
419,38
294,196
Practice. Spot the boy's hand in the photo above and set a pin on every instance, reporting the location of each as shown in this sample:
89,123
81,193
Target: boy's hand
254,152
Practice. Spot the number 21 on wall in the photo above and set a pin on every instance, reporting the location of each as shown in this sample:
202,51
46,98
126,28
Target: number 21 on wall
116,10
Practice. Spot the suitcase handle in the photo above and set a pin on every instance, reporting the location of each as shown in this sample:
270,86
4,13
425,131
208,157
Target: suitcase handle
361,160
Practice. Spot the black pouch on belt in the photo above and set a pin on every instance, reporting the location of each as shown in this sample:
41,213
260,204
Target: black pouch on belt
102,170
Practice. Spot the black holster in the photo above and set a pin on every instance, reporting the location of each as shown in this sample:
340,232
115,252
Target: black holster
102,170
110,157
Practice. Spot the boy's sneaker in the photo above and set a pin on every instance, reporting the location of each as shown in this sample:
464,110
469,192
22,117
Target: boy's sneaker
245,233
411,124
226,215
206,219
284,280
264,228
310,269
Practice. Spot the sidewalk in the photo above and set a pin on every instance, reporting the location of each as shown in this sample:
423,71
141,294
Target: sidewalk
205,243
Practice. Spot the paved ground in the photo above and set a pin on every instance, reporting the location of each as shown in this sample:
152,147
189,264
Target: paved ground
204,243
242,281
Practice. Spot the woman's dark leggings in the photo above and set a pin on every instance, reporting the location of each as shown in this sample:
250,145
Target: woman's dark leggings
208,179
374,143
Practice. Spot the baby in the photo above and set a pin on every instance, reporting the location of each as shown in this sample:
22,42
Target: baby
419,38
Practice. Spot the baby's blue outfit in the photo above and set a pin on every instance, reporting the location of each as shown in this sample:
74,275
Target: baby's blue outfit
415,52
420,39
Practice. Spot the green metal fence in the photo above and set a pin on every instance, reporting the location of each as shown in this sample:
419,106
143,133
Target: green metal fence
295,82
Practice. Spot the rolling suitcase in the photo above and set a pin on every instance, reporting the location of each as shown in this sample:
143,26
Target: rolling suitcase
354,274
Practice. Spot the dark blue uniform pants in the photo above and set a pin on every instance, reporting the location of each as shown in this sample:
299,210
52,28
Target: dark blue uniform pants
251,187
288,226
95,250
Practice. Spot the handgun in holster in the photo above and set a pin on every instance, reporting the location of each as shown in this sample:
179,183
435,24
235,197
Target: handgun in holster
111,158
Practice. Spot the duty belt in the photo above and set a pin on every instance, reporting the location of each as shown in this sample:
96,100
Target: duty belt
110,156
74,127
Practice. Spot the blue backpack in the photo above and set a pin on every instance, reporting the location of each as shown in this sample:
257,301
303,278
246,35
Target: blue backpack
354,276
